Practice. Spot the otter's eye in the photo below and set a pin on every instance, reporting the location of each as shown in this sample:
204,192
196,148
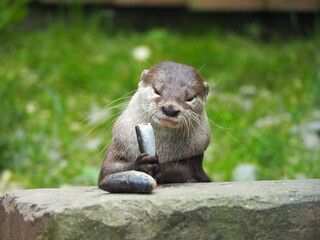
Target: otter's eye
156,92
190,99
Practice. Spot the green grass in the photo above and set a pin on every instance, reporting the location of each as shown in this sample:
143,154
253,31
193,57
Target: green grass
53,79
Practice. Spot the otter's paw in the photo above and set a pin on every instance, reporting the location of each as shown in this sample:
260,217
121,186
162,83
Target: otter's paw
147,164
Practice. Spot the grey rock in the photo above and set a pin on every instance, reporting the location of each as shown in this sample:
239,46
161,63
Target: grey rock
244,172
248,90
310,135
236,210
271,121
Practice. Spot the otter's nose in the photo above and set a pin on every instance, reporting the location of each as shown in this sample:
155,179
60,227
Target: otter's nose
170,111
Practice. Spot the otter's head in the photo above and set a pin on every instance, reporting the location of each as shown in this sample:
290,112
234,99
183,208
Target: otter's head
173,95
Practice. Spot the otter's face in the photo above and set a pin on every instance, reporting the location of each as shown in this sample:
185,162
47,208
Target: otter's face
173,95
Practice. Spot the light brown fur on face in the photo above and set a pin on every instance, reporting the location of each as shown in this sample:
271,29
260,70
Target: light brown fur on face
171,96
173,85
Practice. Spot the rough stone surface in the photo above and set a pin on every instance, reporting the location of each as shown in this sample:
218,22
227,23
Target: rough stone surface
246,210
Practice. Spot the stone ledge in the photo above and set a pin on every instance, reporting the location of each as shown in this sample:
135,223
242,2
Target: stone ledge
246,210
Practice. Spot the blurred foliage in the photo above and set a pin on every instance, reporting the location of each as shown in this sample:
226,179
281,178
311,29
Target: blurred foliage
58,85
12,11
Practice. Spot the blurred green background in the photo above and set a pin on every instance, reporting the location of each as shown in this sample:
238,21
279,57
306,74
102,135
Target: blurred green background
65,76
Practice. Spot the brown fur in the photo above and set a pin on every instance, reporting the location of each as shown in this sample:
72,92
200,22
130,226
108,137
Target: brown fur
180,143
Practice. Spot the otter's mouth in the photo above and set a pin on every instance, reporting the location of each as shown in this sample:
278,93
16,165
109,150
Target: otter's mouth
169,122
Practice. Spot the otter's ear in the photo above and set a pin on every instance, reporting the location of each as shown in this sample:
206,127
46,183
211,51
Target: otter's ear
207,88
143,76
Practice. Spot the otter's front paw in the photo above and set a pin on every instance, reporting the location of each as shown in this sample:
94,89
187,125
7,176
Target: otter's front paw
147,164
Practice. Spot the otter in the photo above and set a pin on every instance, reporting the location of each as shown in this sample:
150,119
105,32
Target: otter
171,97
